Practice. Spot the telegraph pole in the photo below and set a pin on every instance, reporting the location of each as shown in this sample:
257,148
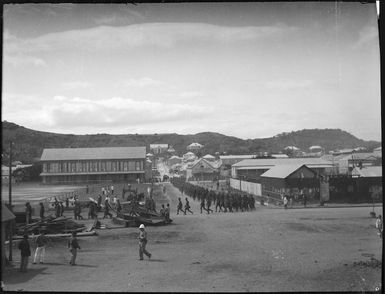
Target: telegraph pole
10,201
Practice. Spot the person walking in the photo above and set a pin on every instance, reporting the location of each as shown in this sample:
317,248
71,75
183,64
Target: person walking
25,252
203,205
42,209
187,207
143,242
380,225
41,241
73,245
180,206
167,213
28,213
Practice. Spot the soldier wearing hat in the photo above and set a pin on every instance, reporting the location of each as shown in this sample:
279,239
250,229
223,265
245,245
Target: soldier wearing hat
143,242
25,252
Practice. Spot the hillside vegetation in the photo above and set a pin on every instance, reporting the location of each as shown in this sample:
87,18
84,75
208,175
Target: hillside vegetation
29,144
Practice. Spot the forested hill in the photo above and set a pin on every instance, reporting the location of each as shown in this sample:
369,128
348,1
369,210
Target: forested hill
29,144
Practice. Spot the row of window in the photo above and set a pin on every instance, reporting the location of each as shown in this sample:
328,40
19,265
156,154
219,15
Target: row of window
92,166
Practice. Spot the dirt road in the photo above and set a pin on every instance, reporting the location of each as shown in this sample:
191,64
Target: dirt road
264,250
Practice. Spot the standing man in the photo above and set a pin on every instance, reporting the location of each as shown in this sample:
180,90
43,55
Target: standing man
67,202
187,207
143,242
25,251
28,213
106,209
99,202
304,199
285,201
180,206
41,241
73,245
61,208
380,225
112,189
41,210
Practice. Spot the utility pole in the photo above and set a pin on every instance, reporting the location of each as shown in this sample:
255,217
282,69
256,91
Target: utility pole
10,201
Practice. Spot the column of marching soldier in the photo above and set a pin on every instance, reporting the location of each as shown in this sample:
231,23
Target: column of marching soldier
222,200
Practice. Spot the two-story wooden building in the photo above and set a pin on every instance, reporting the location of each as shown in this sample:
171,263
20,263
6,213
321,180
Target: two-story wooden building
90,165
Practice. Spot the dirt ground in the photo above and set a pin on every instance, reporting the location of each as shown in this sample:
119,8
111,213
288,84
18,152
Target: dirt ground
270,249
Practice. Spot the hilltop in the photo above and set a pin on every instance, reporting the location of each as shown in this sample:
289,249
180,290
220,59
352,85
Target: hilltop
29,144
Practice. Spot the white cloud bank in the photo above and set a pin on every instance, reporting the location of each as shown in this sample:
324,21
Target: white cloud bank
145,34
61,112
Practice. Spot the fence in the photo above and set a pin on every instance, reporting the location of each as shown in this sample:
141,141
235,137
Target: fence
248,187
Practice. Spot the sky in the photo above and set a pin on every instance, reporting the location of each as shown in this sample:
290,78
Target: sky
249,70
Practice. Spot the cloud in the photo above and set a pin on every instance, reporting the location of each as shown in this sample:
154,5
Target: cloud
289,84
61,112
142,82
191,94
366,36
146,34
128,17
77,85
20,60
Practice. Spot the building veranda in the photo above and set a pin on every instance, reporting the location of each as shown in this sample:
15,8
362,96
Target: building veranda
93,165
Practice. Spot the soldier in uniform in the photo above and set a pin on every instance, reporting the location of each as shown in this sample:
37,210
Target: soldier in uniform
180,206
187,207
143,242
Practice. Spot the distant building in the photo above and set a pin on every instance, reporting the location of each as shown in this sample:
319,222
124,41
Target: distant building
378,151
189,156
202,170
253,168
5,174
229,160
347,163
171,150
158,148
82,165
209,157
289,178
279,155
194,146
174,160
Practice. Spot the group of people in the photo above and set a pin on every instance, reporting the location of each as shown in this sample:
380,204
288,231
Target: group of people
73,246
289,199
41,242
222,200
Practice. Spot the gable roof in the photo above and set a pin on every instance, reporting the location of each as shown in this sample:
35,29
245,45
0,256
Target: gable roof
54,154
360,156
309,161
6,214
208,156
211,164
283,171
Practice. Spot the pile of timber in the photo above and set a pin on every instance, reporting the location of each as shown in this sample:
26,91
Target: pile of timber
51,225
136,214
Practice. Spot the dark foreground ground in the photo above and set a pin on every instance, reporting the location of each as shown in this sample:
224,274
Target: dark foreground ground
328,249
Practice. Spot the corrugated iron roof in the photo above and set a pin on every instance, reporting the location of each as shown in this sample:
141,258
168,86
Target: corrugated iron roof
236,156
6,214
360,156
54,154
368,172
282,171
309,161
